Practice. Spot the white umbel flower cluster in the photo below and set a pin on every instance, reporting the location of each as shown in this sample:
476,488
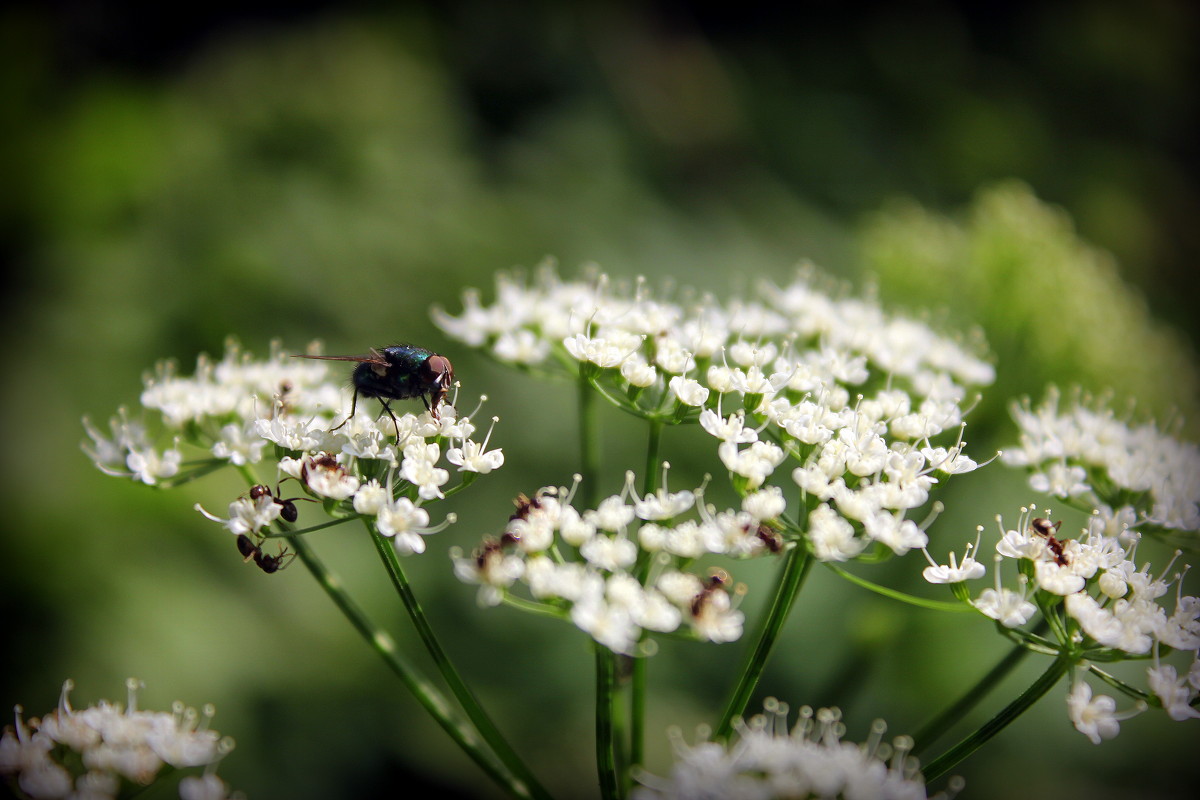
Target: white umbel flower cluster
284,412
851,396
1085,454
106,751
1104,606
809,761
616,571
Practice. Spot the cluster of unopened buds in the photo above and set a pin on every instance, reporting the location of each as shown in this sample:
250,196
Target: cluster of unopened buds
106,751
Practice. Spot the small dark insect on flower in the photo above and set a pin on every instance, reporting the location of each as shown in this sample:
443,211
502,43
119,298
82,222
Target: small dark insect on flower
268,564
770,537
525,504
287,506
487,548
398,372
1046,528
716,579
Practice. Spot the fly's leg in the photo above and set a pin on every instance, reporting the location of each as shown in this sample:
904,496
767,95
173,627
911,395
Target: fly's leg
353,405
395,421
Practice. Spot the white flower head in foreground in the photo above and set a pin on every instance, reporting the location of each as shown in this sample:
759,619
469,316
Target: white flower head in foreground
810,760
617,571
106,751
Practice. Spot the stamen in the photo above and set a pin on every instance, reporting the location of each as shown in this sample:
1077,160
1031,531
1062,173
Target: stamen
934,511
19,724
871,745
628,490
209,711
576,479
64,702
1170,563
450,519
132,686
488,438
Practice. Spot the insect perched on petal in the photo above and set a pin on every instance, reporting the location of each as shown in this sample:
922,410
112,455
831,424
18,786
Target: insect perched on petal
398,372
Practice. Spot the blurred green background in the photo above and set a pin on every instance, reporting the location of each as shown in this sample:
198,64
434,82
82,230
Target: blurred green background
174,177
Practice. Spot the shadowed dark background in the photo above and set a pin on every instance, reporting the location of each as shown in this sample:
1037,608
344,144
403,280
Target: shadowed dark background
175,175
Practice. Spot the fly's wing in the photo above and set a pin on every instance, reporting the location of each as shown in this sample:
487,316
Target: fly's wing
375,357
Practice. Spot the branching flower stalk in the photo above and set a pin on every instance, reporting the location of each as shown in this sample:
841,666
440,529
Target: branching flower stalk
1096,602
853,397
246,414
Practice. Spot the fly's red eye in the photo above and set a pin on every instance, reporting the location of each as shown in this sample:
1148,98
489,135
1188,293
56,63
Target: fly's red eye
438,369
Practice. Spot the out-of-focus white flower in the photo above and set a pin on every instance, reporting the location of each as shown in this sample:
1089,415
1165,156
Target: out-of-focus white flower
811,760
1060,446
106,750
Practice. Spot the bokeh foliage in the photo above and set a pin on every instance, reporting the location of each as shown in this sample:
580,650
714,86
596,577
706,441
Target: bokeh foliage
335,176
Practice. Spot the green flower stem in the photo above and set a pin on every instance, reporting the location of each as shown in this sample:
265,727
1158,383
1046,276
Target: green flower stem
936,727
606,727
920,602
796,566
1048,604
466,698
637,711
653,446
205,468
533,607
1122,686
952,757
589,446
426,694
638,675
290,534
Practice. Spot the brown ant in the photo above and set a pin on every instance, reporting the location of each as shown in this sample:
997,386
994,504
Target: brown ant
1046,528
770,537
526,505
717,579
268,564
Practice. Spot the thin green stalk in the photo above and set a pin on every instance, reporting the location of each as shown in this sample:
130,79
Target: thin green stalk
912,600
290,533
426,694
637,711
938,726
589,449
621,702
952,757
638,675
796,566
606,732
466,698
653,446
1122,686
